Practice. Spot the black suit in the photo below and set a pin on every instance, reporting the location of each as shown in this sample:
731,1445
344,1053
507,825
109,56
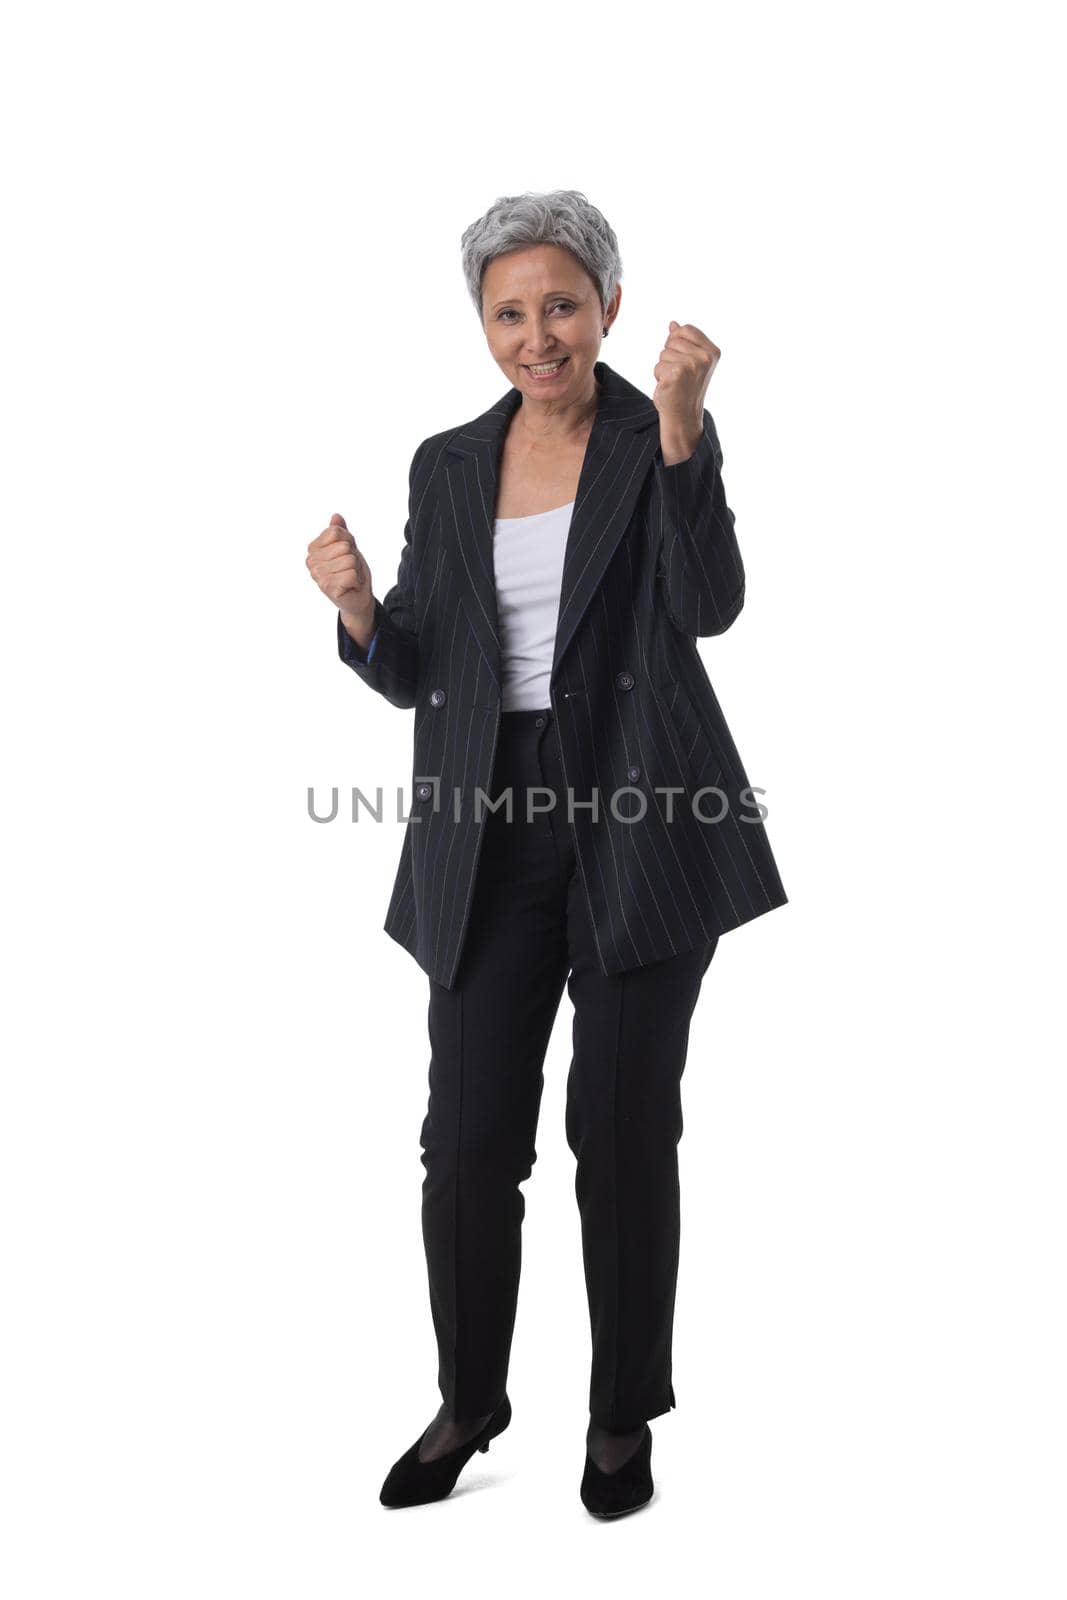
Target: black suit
502,914
651,562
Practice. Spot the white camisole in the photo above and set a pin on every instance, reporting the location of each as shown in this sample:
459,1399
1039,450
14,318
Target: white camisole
528,566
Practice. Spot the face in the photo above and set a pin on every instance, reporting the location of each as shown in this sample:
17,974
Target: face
539,305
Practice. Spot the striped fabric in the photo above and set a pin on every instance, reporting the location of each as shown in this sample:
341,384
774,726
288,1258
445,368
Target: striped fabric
651,563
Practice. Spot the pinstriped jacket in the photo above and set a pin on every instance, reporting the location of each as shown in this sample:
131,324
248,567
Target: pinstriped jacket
651,563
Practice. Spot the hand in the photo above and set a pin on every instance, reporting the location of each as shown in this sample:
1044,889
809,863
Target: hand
682,375
341,572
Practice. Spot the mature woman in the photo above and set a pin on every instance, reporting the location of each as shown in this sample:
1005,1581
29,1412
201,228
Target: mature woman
563,552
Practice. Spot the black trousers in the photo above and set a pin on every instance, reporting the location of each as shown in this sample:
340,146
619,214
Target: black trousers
529,934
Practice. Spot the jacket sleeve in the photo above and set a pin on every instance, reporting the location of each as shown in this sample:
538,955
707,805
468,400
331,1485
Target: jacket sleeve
390,664
700,572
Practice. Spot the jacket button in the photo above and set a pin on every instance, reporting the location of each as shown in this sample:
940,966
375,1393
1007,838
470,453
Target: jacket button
424,790
625,680
437,698
633,773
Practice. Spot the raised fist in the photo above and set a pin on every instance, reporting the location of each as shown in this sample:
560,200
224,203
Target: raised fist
341,572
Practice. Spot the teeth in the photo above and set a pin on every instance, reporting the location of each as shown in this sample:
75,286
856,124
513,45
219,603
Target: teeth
547,366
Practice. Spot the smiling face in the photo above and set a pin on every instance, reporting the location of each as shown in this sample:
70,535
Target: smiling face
539,305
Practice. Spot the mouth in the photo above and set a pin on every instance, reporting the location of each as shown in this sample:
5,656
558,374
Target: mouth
545,371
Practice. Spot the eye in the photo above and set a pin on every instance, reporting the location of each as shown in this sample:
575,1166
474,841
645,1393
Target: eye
510,311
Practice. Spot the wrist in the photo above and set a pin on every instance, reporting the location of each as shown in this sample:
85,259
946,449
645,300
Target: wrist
360,625
678,441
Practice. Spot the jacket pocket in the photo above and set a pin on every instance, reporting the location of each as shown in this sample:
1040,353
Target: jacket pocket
707,762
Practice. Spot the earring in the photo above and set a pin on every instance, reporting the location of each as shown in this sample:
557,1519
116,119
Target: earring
606,332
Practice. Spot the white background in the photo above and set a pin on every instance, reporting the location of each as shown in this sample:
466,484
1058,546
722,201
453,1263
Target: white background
233,252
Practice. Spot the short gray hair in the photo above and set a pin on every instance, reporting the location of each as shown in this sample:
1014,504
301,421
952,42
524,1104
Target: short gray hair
564,217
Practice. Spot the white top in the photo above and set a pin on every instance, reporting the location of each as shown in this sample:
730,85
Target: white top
528,565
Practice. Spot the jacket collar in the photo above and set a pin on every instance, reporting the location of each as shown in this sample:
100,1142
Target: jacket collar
623,440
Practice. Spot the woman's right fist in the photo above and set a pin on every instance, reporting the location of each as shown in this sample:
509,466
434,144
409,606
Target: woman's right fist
340,571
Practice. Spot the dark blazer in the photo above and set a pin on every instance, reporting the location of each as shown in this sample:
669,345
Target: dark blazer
651,562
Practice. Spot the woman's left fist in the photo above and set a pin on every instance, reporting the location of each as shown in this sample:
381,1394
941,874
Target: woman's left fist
682,375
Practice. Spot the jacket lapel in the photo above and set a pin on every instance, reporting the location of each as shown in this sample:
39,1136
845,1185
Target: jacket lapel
623,440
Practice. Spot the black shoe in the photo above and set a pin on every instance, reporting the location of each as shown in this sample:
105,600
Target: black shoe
411,1482
613,1494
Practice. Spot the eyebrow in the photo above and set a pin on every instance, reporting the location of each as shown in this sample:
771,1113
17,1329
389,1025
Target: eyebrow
549,295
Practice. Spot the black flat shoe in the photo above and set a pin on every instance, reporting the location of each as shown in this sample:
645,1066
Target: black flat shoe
613,1494
411,1482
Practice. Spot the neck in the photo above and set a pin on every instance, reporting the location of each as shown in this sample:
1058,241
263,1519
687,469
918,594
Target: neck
541,425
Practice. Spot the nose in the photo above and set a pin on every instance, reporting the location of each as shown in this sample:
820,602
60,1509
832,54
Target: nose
538,343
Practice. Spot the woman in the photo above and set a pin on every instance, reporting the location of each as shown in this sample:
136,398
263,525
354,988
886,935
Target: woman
562,552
